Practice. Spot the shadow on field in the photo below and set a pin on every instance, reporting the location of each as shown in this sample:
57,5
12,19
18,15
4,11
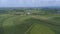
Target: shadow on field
1,29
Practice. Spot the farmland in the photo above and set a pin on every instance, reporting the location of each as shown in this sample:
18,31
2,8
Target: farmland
37,22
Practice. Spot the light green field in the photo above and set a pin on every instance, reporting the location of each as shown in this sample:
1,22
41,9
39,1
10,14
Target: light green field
41,29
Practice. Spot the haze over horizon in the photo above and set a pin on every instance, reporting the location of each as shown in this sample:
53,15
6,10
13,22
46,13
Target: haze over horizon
29,3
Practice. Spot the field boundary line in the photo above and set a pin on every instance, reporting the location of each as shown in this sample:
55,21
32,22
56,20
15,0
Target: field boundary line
29,28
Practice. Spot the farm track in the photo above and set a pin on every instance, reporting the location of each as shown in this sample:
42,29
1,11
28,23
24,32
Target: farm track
29,29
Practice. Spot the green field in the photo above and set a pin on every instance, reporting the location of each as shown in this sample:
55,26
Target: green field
38,22
29,24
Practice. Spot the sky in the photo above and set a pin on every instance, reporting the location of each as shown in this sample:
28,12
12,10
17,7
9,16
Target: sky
29,3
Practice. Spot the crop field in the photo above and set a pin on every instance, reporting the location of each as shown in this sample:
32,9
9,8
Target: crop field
29,24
